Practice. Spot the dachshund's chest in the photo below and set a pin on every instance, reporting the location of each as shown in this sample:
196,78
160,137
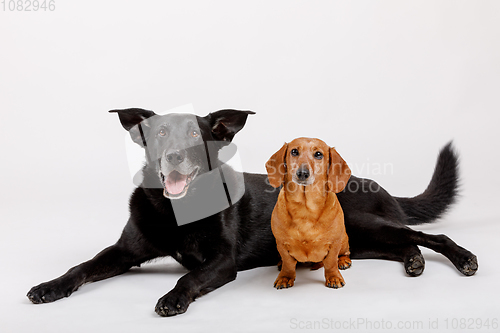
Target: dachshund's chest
307,244
307,234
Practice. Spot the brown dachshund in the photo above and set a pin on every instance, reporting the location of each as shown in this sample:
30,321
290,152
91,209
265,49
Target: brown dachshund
307,221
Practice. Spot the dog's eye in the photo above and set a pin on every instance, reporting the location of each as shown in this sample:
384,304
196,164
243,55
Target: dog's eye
294,152
162,132
195,133
318,155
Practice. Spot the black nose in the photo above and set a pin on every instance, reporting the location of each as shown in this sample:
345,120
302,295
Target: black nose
175,158
303,173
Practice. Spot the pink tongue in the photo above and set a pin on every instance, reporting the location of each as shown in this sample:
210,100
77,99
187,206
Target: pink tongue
175,182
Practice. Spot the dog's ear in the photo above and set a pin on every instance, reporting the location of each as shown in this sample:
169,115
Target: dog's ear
130,118
338,172
276,167
226,123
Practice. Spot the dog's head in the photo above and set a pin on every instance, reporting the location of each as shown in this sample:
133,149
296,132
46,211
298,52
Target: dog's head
305,162
180,147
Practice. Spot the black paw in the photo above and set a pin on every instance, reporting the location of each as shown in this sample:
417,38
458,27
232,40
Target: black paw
415,265
172,304
49,292
468,266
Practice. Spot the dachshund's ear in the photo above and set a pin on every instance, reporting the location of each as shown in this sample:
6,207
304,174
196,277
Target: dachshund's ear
338,172
276,167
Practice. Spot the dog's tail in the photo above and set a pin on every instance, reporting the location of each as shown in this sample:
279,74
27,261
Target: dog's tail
440,194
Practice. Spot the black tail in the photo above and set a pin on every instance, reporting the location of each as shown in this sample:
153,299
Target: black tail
439,195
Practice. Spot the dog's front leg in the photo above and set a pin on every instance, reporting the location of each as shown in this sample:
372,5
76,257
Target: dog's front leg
286,277
332,274
212,274
109,262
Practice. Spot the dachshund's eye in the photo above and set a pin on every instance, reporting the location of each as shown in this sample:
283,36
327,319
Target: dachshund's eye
195,133
318,155
294,152
162,132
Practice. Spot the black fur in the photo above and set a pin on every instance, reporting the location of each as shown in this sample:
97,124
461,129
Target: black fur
240,237
439,195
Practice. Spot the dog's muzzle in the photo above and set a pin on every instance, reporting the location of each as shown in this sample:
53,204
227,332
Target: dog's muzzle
176,184
303,176
303,173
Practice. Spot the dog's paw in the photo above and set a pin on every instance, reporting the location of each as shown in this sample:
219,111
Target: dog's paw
415,265
49,292
283,282
172,304
344,262
468,266
335,282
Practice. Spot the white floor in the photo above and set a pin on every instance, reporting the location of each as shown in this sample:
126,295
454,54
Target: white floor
378,295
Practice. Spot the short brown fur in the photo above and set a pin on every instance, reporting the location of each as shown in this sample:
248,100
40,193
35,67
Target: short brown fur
308,221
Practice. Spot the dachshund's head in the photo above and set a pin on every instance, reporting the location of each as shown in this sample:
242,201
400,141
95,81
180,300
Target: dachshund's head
307,161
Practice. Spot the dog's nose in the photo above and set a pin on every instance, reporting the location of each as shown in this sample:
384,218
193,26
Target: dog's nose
175,158
303,173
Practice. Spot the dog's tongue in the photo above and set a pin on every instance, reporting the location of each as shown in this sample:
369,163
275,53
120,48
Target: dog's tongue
175,182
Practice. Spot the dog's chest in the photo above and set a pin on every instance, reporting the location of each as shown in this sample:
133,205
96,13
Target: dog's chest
307,244
182,243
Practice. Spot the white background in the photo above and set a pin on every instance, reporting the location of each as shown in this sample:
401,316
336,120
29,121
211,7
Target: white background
386,82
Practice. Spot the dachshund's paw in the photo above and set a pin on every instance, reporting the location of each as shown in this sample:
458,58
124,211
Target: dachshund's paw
335,282
172,304
415,265
468,266
283,282
344,262
50,291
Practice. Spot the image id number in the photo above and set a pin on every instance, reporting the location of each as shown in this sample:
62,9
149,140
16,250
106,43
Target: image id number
28,5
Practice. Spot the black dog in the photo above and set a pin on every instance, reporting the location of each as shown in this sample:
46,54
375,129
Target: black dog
169,214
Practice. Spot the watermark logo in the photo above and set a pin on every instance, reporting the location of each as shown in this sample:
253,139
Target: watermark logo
352,185
381,324
171,152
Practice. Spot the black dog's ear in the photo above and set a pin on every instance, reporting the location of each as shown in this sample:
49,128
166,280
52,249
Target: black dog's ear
226,123
129,118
